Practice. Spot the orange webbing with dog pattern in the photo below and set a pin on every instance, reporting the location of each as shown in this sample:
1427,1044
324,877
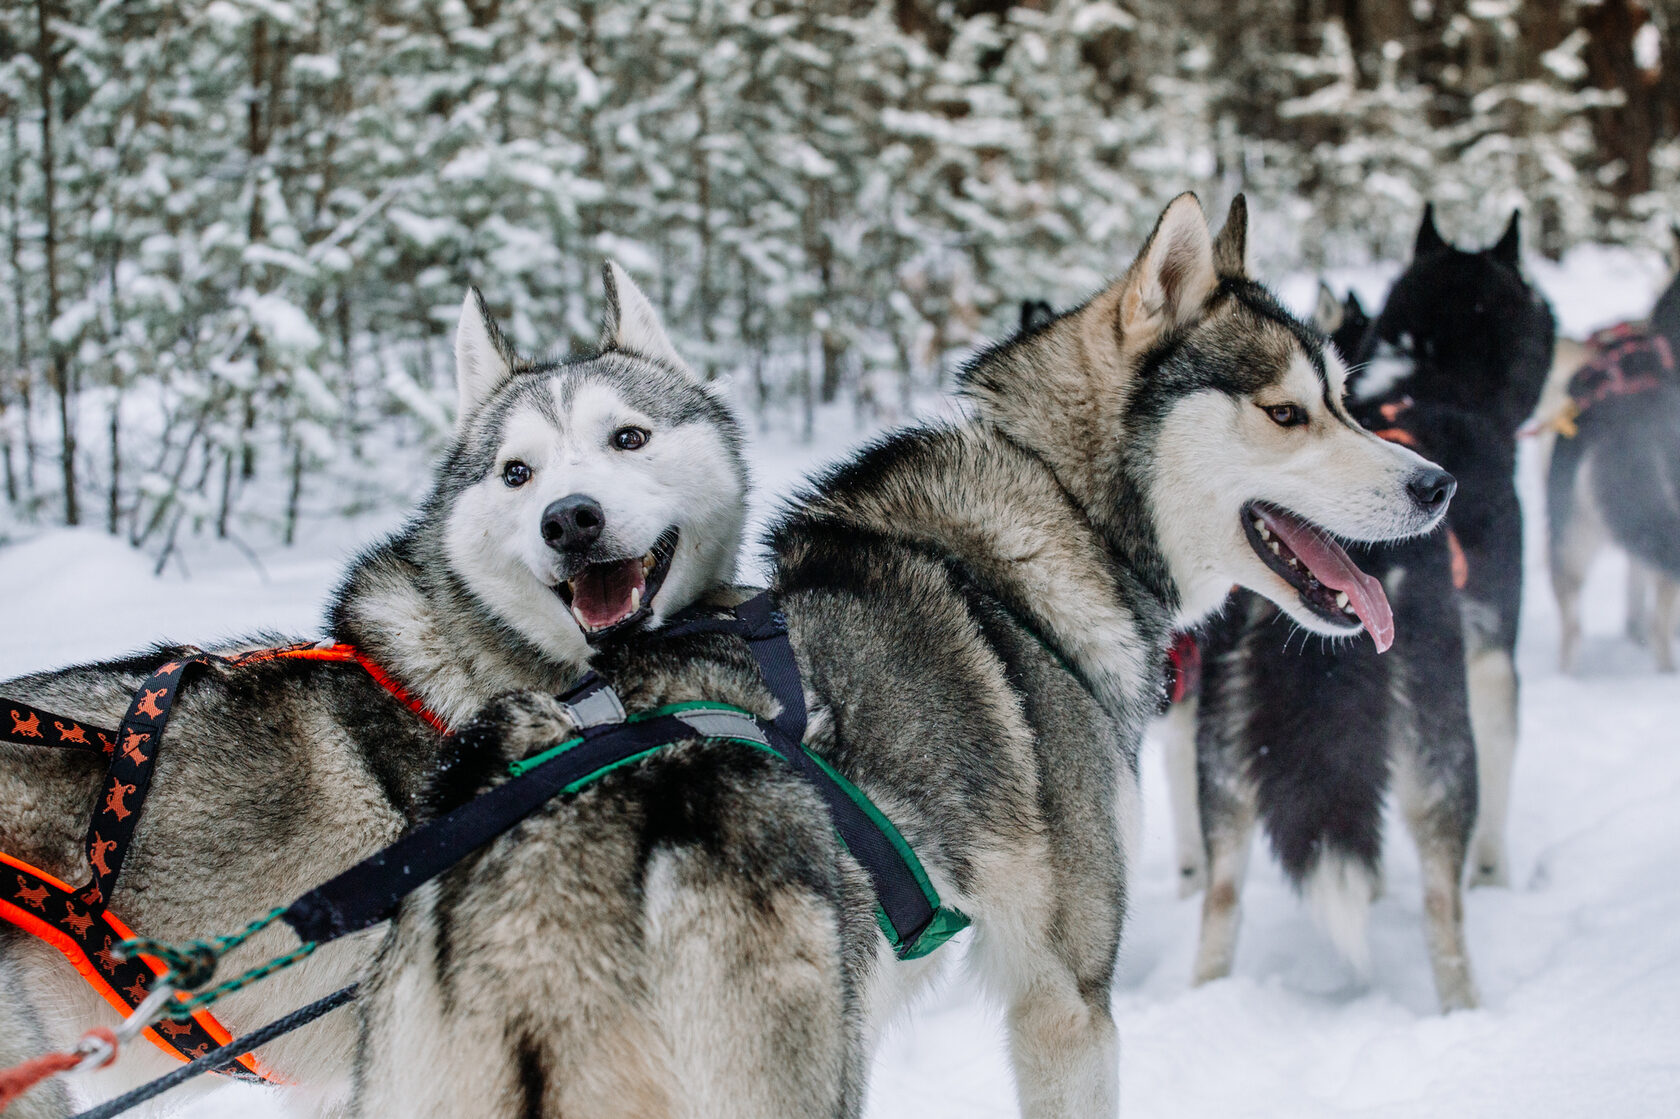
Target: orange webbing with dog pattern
76,921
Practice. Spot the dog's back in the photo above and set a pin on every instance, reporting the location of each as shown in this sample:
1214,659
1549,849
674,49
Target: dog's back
667,942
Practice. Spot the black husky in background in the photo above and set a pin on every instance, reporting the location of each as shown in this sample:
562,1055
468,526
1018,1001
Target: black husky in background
1305,735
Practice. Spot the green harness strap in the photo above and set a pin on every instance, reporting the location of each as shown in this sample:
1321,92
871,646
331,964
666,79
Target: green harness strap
721,722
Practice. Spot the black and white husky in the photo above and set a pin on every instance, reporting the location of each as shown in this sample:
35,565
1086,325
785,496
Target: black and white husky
1307,737
1344,322
979,611
580,499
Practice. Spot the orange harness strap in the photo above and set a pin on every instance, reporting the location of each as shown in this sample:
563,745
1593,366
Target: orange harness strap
77,922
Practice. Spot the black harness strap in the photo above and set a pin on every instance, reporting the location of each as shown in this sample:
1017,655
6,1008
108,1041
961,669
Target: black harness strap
900,886
77,921
370,891
31,726
129,775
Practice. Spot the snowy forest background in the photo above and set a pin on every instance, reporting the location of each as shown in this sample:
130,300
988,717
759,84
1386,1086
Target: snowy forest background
236,232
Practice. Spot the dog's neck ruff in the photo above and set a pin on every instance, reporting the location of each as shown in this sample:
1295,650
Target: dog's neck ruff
1030,541
78,921
909,913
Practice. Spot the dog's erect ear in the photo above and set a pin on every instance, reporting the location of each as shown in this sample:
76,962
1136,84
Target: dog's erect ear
1328,311
1171,277
632,325
1506,249
1428,237
1230,248
1354,308
483,359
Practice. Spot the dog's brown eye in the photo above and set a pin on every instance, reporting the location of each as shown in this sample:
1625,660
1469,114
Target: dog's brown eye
1286,415
516,474
630,438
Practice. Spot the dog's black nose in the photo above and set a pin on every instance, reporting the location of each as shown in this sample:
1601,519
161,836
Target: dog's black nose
1432,489
573,523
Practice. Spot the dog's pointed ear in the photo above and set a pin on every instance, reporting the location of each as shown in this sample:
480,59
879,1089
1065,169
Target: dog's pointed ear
1171,277
1230,248
632,325
483,359
1508,246
1353,307
1328,311
1428,237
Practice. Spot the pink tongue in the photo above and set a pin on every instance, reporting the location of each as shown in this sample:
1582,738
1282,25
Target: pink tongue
1332,567
601,592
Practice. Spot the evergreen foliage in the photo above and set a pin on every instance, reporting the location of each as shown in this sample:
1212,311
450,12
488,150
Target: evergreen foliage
235,232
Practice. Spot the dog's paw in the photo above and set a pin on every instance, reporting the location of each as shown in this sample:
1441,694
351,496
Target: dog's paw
517,724
508,728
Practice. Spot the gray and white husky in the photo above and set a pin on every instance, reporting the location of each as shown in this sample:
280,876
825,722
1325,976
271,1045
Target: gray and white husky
1616,480
580,499
978,611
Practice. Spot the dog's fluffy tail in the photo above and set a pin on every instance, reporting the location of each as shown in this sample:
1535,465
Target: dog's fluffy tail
1340,888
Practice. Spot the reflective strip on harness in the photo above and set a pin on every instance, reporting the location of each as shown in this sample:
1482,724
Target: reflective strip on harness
76,921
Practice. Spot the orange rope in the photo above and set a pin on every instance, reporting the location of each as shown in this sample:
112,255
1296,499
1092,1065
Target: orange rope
19,1079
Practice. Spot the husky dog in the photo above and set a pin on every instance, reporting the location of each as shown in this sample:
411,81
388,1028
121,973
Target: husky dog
1616,478
978,612
1307,742
1464,331
1344,322
580,499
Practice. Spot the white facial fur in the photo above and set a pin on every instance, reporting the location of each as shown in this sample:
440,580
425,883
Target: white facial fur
1216,453
682,477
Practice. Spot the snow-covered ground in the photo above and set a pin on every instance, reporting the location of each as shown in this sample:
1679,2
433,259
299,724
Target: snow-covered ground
1578,963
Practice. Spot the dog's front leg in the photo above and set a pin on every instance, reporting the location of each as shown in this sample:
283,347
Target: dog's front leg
1492,678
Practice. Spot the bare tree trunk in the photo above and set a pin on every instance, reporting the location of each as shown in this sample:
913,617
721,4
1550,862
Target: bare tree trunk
20,311
113,505
224,507
1628,131
807,393
703,178
294,497
47,64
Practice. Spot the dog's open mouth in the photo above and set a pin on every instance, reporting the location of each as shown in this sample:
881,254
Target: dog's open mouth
1308,559
610,597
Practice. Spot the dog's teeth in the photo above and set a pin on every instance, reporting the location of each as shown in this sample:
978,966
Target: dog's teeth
635,599
1275,548
1260,527
1342,599
647,563
581,620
